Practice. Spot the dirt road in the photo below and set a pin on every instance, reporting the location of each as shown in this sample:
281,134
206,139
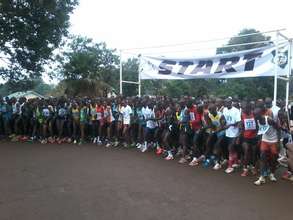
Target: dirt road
48,182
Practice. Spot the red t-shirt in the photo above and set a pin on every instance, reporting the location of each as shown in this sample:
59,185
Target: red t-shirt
100,113
249,125
195,118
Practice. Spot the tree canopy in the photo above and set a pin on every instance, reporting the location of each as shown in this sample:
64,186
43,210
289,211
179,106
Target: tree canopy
85,60
29,32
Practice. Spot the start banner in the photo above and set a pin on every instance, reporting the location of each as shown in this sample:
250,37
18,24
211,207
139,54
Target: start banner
249,63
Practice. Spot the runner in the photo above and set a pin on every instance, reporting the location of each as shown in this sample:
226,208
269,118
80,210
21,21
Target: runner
268,149
232,118
249,139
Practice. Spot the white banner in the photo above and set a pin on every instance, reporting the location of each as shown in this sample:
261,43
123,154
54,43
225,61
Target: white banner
250,63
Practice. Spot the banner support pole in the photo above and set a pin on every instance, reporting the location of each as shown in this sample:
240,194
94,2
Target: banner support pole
276,70
121,72
139,78
288,73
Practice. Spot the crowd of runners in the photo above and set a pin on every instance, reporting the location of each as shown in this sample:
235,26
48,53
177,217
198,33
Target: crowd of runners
219,133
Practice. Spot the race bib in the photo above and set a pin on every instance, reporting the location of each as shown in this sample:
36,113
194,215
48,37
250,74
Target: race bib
249,124
46,112
192,116
229,119
99,115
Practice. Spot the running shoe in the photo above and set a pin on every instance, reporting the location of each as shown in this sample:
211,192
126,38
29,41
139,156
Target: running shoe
283,161
159,151
182,160
207,162
14,139
194,162
244,173
24,138
229,170
286,175
11,136
224,162
144,148
201,158
261,180
169,157
272,177
217,166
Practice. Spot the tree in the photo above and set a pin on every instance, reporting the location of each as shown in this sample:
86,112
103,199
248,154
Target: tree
37,85
256,37
83,60
259,87
29,32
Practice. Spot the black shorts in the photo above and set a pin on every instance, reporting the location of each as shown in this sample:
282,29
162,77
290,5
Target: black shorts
250,141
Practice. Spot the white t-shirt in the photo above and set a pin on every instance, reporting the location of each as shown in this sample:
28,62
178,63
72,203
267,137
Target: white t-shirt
275,110
149,113
126,112
271,134
232,116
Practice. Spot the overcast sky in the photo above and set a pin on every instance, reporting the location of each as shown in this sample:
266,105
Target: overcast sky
141,23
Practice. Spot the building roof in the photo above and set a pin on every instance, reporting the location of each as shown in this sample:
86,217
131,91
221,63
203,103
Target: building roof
27,94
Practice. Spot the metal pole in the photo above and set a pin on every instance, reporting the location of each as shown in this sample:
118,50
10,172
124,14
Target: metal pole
121,72
276,69
139,79
288,73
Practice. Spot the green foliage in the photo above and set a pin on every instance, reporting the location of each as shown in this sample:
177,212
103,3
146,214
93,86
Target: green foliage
245,39
248,87
86,68
81,88
37,85
29,32
85,59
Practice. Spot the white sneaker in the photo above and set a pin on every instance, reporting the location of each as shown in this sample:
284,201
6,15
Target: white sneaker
116,144
272,177
194,162
201,158
108,145
138,145
169,157
261,180
229,170
224,162
144,148
217,166
95,140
